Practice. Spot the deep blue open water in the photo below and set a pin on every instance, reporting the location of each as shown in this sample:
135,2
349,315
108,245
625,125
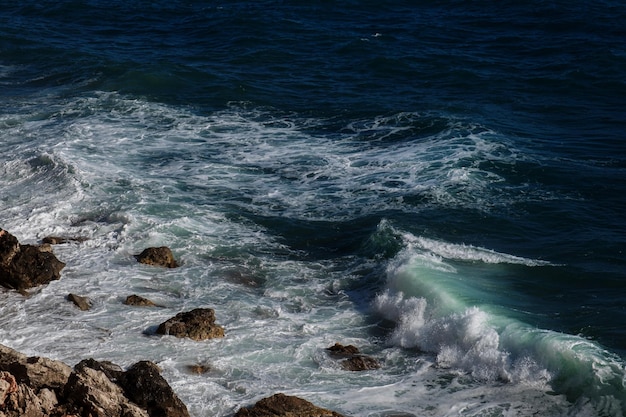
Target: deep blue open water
440,183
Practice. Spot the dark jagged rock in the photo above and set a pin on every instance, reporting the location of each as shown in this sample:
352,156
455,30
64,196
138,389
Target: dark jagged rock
26,266
342,351
197,324
145,386
281,405
9,247
81,302
161,256
352,359
92,393
135,300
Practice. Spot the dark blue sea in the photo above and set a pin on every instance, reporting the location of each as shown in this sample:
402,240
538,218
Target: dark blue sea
441,184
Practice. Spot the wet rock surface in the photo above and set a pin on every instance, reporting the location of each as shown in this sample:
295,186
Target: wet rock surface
281,405
351,359
41,387
197,324
161,256
138,301
26,266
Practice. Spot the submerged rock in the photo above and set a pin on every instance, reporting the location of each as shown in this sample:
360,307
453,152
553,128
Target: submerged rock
281,405
26,266
352,359
197,324
198,369
81,302
58,240
161,256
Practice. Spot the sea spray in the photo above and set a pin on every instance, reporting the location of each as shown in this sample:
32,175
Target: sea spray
423,298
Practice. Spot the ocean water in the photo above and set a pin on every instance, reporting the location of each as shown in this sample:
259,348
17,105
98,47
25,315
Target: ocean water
439,183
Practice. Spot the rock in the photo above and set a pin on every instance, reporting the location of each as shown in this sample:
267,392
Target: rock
29,385
8,386
37,372
9,247
281,405
48,400
360,363
198,369
161,256
93,394
81,302
135,300
32,267
41,387
145,386
40,373
197,324
353,360
9,356
45,247
58,240
26,266
23,403
340,351
112,371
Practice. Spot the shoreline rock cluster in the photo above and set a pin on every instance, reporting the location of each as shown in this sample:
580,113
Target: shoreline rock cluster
41,387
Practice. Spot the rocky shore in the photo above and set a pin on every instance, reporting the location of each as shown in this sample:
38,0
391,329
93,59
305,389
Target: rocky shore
42,387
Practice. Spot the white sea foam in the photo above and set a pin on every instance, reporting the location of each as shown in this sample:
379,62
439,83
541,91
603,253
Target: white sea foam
272,165
464,252
128,174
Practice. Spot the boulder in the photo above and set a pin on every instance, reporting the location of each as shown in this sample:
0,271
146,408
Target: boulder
93,394
281,405
351,358
161,256
26,266
81,302
9,247
197,324
136,300
145,386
